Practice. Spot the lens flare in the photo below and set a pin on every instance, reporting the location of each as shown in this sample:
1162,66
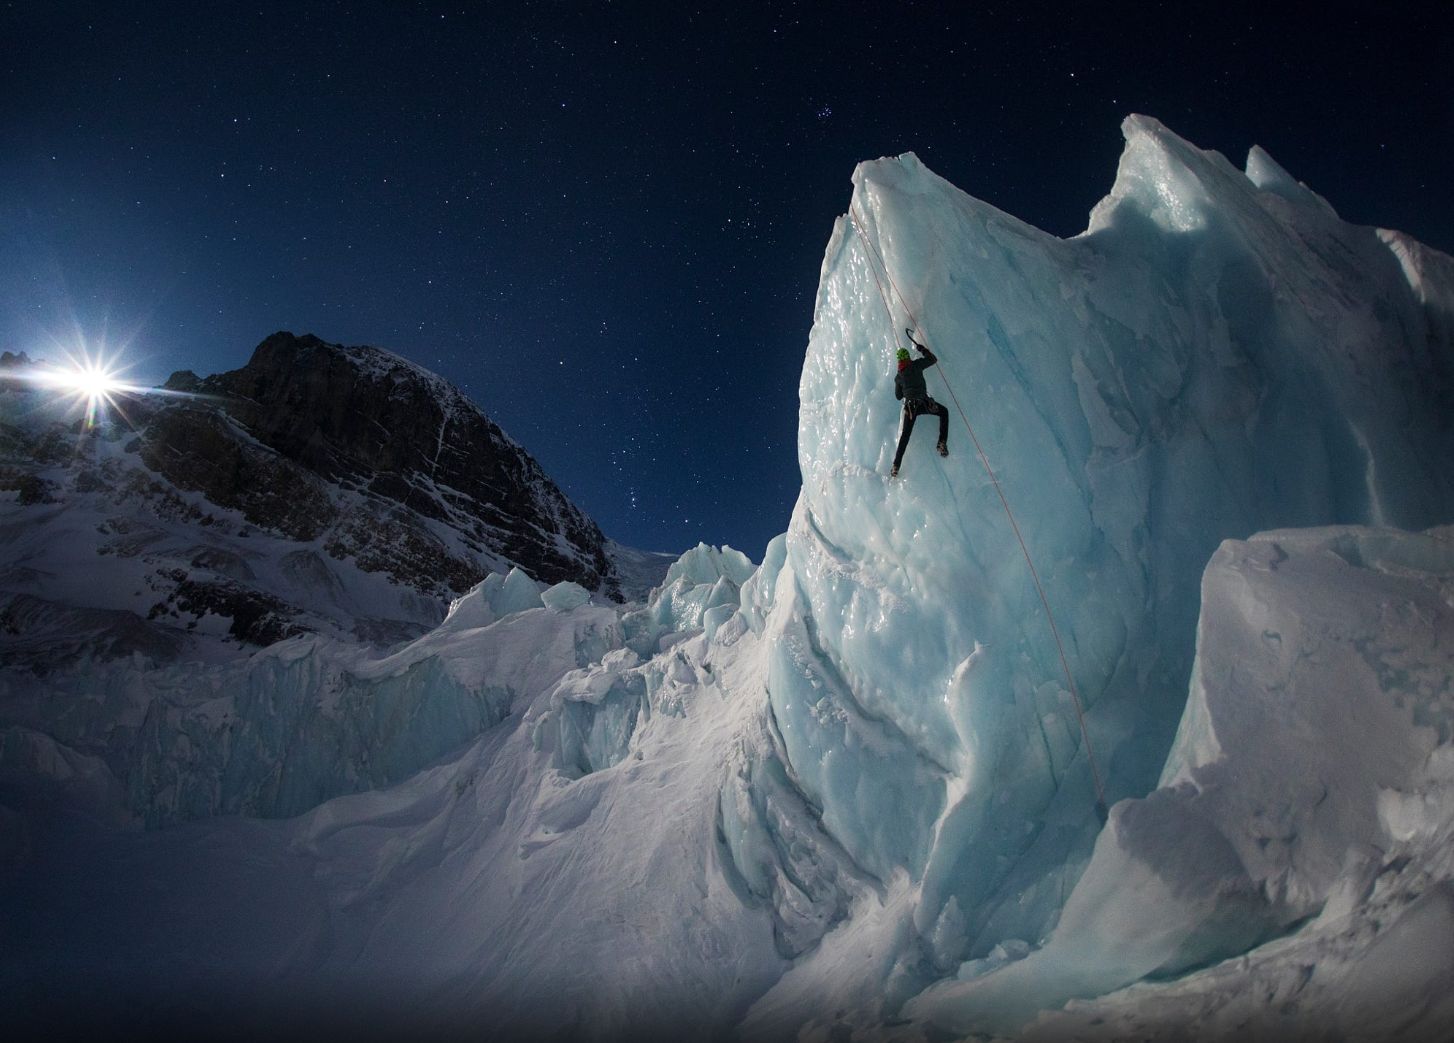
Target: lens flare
91,382
94,383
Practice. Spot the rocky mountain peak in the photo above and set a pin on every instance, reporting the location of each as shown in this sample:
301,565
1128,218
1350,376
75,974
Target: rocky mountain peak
316,487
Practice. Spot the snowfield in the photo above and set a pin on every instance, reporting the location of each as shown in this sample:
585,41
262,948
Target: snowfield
845,793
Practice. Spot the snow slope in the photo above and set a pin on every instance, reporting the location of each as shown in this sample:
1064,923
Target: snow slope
559,872
844,793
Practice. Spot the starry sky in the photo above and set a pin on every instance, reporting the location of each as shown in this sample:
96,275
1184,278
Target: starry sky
604,221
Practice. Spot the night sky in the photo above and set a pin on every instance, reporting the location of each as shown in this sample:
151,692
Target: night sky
605,221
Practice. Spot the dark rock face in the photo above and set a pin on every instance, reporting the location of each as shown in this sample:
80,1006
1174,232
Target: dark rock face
198,447
39,635
420,454
257,618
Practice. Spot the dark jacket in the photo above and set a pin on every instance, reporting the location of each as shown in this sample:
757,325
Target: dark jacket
909,383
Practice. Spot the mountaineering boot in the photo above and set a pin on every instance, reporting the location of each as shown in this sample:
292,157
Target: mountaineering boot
894,472
943,449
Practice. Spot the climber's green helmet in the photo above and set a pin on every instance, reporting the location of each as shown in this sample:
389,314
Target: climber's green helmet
903,355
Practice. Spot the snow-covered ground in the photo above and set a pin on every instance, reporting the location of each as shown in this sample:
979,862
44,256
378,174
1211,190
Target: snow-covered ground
845,793
561,869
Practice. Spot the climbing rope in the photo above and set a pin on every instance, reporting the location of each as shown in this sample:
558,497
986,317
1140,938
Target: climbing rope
872,252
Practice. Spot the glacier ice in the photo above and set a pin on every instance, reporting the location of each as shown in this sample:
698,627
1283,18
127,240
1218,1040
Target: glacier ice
701,589
595,712
306,719
1213,357
1316,744
494,597
565,596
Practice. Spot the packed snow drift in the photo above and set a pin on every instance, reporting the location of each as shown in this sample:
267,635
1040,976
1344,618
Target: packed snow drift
848,791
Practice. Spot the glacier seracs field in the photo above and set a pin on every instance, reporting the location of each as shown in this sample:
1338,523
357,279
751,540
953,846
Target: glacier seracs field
847,787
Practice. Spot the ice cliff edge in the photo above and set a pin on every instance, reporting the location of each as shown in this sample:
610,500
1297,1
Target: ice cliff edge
1218,354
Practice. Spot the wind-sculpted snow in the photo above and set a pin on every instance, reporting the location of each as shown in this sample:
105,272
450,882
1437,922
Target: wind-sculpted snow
1217,354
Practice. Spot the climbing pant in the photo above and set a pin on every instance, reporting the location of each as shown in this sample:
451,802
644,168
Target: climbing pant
913,408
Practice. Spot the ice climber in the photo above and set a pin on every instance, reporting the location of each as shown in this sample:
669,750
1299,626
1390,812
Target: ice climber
909,386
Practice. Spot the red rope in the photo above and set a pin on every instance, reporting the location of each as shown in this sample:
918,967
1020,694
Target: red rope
1004,501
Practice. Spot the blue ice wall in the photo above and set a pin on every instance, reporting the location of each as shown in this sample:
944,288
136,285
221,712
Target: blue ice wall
1217,354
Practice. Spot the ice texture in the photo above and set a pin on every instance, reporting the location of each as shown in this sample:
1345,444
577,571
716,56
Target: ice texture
1218,354
595,712
304,720
565,597
701,591
494,597
1317,741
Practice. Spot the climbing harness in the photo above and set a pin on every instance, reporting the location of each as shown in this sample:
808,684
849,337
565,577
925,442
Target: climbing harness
873,254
